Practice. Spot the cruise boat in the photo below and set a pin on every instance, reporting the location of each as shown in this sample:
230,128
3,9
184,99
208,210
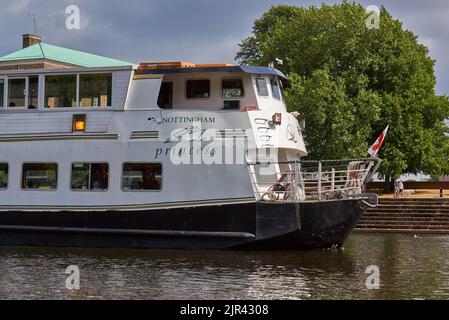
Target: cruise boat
97,152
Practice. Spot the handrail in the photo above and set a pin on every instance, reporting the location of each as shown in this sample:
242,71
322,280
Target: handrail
311,180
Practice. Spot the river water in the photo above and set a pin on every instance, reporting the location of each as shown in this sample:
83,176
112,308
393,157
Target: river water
410,268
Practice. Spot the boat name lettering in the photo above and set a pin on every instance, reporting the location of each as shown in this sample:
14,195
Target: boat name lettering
188,119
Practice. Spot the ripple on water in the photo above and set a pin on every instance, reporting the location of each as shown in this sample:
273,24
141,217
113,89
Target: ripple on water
410,268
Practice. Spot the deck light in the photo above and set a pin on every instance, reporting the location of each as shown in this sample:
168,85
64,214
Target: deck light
79,123
250,108
277,119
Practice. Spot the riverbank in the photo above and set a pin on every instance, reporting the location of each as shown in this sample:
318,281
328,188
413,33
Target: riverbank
407,215
420,194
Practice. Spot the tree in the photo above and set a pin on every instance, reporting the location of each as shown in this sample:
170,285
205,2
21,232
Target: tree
349,82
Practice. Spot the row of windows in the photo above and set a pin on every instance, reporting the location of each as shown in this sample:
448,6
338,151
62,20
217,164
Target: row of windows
87,176
230,88
262,88
61,91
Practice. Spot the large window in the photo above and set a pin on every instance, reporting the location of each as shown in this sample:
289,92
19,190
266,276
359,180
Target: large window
95,90
90,176
3,176
262,88
39,176
232,88
142,176
197,89
16,92
275,89
60,91
2,91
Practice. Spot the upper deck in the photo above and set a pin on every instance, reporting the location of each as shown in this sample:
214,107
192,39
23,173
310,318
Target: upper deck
197,87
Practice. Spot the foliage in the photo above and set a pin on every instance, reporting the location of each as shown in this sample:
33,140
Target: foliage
349,82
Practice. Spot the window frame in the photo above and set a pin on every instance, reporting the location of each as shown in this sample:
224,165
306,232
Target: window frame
78,86
233,78
25,97
89,163
39,190
7,176
77,95
199,79
276,82
172,86
4,95
44,107
122,176
257,87
28,91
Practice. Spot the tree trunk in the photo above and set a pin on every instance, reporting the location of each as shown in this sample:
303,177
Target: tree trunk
388,186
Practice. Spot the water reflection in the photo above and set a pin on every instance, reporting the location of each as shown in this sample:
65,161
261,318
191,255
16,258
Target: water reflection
410,268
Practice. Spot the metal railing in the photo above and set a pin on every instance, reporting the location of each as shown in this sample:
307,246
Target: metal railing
311,180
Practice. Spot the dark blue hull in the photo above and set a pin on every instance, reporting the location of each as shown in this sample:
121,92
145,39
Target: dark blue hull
247,226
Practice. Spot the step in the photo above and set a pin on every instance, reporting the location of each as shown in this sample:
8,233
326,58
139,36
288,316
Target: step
408,210
431,219
408,205
402,226
406,214
378,230
414,200
408,223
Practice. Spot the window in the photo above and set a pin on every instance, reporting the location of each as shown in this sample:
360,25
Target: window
231,105
232,88
2,91
3,176
262,88
275,89
142,176
16,92
39,176
95,90
90,176
165,99
33,88
60,91
198,89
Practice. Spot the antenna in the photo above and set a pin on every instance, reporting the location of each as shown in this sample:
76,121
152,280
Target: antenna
34,22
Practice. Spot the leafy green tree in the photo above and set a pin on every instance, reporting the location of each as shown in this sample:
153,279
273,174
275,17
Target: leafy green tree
349,82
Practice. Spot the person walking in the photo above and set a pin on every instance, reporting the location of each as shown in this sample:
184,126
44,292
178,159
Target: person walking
396,188
401,188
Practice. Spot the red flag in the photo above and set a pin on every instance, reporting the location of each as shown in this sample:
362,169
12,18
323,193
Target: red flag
378,144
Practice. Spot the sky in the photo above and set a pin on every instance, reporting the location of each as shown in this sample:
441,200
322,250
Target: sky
200,31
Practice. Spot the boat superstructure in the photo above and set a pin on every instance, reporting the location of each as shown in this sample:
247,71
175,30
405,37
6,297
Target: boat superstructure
165,155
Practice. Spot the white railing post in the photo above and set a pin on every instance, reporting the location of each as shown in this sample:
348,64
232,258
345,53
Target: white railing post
297,182
319,179
333,180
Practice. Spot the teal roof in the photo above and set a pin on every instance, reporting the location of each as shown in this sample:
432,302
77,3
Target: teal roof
69,56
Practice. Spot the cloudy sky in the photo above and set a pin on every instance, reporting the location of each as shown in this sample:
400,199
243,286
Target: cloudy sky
193,30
